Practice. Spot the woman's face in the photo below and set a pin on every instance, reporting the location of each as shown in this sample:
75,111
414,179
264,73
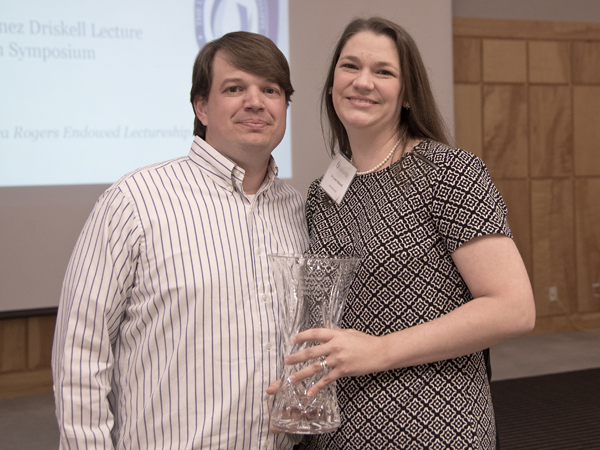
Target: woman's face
367,87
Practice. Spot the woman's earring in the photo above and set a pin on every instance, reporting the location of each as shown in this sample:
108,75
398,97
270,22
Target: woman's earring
407,106
330,90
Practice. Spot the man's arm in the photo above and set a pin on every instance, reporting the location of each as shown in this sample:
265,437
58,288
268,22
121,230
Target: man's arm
93,298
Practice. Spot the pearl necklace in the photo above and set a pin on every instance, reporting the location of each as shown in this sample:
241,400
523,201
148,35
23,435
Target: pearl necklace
381,163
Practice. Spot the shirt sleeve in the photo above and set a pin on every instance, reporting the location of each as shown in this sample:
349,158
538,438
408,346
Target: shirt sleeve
466,204
95,291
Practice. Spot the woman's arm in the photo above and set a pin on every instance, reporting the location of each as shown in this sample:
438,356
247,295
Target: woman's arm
502,308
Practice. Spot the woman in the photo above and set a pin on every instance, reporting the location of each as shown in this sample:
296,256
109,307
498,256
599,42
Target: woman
440,278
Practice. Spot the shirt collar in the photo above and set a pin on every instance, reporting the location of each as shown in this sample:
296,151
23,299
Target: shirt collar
223,170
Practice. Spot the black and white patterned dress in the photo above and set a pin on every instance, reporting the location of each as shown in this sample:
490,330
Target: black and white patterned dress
404,222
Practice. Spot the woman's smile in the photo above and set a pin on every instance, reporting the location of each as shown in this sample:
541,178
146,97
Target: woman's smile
364,101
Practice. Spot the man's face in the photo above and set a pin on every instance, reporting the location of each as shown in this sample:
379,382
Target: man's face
244,114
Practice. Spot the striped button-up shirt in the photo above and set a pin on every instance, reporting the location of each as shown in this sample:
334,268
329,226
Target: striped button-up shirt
167,332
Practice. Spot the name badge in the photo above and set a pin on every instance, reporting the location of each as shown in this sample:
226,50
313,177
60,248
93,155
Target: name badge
338,177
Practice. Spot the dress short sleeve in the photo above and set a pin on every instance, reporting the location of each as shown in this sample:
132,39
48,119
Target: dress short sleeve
466,204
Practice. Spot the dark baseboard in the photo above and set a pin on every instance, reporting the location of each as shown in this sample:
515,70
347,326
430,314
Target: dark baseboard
22,313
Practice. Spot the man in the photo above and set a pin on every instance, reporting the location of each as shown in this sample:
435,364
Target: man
167,333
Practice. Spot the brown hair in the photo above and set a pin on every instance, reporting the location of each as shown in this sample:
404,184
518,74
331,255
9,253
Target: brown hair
250,52
422,120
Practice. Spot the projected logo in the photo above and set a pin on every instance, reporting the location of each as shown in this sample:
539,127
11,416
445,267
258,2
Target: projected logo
214,18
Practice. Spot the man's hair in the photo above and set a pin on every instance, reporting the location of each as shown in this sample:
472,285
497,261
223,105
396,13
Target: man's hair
422,120
250,52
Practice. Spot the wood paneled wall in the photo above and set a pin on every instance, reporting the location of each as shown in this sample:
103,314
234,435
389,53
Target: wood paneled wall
25,351
527,98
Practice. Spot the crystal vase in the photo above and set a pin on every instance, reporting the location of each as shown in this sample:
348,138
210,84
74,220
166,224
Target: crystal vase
311,291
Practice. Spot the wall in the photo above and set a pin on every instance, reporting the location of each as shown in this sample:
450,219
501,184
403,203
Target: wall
25,350
527,98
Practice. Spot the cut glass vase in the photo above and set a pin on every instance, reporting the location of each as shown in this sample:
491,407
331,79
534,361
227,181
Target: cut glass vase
312,292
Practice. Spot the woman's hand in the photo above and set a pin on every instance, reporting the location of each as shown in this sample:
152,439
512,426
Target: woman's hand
347,353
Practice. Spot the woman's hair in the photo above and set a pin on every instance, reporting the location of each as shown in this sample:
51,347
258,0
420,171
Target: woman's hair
421,120
250,52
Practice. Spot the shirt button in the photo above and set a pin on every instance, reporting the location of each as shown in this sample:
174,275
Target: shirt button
263,297
268,346
259,251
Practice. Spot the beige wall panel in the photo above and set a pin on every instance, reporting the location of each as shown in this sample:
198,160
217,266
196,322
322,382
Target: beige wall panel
505,141
549,62
467,60
553,246
550,131
40,331
516,196
586,62
13,344
586,129
504,61
554,119
467,118
587,203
